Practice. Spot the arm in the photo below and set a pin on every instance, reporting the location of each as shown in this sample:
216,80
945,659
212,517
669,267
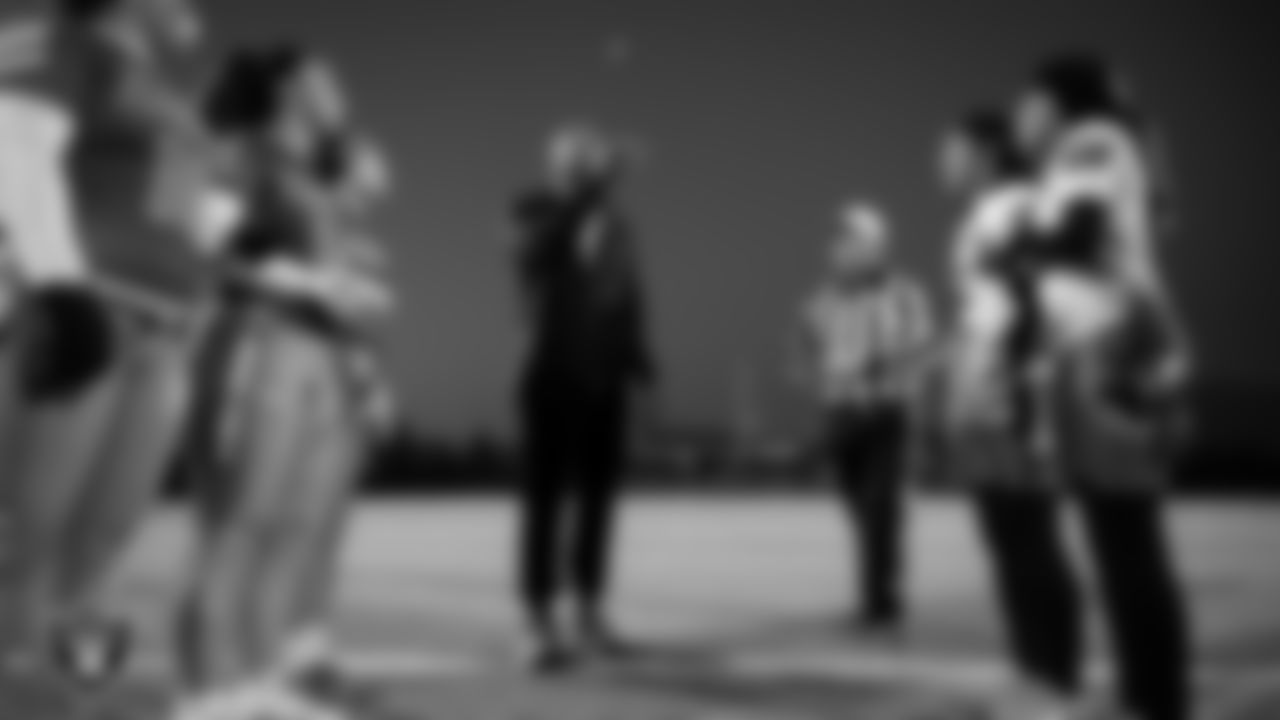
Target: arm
1107,168
639,340
914,344
354,295
802,350
519,240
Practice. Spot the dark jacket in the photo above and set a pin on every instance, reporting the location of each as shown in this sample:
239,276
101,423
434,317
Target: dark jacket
584,301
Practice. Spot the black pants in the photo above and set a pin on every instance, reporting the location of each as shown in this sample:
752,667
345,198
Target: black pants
574,455
1041,600
868,447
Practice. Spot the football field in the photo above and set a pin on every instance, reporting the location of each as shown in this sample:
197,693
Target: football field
740,605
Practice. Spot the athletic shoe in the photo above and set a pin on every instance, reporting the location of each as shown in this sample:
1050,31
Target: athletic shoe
886,623
597,639
549,654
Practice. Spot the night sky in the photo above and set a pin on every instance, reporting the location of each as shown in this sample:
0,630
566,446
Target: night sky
762,115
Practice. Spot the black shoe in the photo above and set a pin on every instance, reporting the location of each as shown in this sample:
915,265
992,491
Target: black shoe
329,682
879,621
600,640
550,655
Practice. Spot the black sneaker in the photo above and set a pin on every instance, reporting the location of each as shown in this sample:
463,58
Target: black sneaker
601,641
550,655
879,621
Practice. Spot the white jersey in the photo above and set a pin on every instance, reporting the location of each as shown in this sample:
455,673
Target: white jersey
868,340
37,223
975,365
1098,163
986,310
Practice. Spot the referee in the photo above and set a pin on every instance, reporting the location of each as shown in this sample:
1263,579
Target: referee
865,331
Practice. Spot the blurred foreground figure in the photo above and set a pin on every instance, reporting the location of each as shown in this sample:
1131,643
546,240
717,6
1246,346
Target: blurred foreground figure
588,355
866,331
1117,367
38,243
279,454
99,352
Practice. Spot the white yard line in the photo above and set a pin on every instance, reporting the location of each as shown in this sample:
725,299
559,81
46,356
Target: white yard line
375,665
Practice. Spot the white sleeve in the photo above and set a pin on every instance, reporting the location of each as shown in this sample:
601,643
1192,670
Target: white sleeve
290,277
991,222
1103,163
1096,162
36,209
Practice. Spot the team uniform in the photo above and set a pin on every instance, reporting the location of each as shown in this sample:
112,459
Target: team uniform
983,438
137,170
1110,339
280,438
869,340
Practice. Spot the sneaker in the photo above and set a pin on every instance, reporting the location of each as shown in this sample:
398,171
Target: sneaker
886,622
549,654
599,639
310,664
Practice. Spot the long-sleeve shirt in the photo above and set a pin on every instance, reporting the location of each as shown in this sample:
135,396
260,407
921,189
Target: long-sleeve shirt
37,224
1096,200
868,342
577,268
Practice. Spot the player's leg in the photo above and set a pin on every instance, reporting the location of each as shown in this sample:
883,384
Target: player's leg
251,540
150,416
881,517
1144,604
209,445
546,437
57,349
68,397
327,473
1034,584
242,532
601,447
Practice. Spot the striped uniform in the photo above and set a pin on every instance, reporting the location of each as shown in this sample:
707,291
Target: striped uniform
867,340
